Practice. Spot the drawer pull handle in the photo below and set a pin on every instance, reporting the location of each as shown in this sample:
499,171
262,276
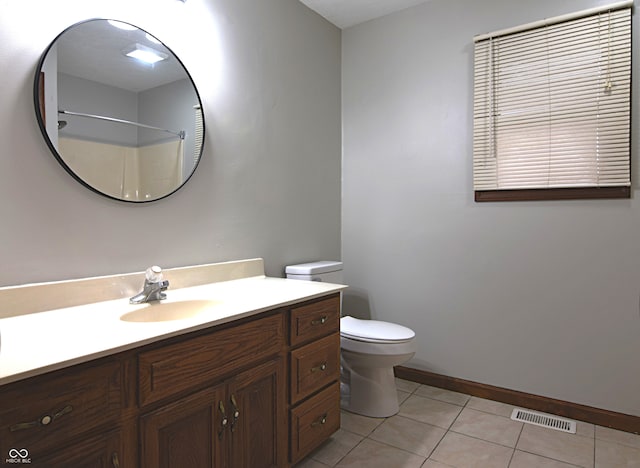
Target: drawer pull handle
321,367
320,321
43,421
224,422
115,462
236,413
322,420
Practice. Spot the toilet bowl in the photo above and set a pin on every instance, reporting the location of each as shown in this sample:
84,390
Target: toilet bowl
369,351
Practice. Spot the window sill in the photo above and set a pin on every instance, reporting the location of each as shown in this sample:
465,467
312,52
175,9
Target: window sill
578,193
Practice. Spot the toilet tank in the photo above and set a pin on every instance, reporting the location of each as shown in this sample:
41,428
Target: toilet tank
326,271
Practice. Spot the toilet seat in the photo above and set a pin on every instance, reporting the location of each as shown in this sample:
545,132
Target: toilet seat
374,331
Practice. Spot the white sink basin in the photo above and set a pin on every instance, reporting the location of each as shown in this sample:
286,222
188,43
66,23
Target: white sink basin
166,311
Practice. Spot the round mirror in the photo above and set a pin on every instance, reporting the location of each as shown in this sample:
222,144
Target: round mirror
119,110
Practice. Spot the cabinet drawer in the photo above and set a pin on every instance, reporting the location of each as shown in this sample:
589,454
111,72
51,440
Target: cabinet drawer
314,421
48,410
186,365
315,320
313,366
104,450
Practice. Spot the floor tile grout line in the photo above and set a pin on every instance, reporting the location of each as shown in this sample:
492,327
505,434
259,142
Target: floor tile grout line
444,401
436,446
409,451
435,399
515,447
383,443
446,431
618,442
480,438
513,454
489,413
399,448
455,419
519,435
549,458
364,437
348,452
594,446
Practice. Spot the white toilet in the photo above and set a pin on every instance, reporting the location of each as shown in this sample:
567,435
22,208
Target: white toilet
369,351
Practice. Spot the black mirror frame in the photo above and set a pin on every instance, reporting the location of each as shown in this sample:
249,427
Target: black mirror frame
38,99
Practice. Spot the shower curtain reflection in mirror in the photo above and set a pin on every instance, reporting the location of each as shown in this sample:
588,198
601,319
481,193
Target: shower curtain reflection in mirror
146,172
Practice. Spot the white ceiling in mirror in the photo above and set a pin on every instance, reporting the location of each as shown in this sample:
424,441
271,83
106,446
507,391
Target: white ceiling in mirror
345,13
98,54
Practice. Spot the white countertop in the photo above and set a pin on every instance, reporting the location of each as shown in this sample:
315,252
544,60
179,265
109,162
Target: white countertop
35,343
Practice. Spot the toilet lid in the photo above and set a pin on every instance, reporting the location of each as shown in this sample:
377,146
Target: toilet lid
374,331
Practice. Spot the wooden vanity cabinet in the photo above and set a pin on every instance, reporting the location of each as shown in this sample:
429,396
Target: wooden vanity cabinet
261,391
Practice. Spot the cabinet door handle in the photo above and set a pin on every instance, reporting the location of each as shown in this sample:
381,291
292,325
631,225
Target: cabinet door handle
320,421
320,321
42,421
236,413
223,423
321,367
115,462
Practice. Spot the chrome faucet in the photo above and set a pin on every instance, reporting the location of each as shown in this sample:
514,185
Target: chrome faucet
154,284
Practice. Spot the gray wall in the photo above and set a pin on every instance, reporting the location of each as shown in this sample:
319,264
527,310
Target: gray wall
269,181
536,297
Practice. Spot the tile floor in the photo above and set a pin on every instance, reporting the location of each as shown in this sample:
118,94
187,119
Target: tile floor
436,428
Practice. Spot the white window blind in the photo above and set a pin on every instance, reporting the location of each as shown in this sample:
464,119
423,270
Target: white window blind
552,105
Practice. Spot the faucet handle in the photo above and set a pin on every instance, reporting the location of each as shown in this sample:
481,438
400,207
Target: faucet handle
153,274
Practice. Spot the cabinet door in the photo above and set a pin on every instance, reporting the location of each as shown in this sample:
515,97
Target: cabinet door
258,419
188,432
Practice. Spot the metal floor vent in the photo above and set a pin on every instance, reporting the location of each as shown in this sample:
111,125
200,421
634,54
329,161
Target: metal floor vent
544,420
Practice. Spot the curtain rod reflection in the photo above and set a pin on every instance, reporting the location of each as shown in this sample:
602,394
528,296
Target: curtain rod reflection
180,134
